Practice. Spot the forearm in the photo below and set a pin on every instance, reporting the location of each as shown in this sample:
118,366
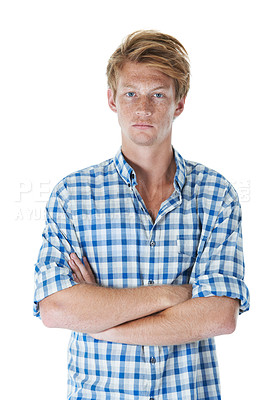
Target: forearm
190,321
90,309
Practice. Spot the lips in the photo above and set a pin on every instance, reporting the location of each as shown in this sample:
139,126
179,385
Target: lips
142,126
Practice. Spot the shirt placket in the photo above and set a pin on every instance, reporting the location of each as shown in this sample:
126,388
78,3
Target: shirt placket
150,276
151,357
151,354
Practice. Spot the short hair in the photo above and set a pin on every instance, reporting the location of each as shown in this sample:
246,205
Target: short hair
155,49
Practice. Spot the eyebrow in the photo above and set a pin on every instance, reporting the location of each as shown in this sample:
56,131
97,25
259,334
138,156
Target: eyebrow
128,86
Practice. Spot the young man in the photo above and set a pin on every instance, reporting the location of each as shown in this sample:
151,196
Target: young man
161,245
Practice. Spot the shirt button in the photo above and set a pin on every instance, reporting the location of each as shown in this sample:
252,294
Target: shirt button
152,360
152,243
151,282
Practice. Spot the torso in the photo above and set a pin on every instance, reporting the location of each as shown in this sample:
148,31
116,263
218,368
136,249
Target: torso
153,201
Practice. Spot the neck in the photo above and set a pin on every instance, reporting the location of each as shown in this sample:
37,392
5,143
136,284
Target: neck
155,166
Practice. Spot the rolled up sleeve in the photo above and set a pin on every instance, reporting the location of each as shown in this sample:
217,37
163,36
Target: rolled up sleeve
59,239
219,267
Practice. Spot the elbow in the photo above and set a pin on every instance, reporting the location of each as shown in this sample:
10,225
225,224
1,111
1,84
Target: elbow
221,325
230,318
229,326
224,319
48,313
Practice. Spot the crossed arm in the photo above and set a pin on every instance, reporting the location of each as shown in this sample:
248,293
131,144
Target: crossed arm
147,315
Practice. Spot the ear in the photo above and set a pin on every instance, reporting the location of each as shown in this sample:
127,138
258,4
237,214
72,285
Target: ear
179,107
111,100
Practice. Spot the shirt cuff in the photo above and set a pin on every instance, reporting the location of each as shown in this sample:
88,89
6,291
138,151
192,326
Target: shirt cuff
51,279
221,285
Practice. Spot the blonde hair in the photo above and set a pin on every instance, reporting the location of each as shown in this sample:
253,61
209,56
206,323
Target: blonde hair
157,50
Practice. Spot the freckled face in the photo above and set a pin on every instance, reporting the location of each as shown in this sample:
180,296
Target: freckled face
145,103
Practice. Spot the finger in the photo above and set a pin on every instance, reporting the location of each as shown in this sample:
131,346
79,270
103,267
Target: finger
76,271
75,278
83,269
85,261
89,275
80,266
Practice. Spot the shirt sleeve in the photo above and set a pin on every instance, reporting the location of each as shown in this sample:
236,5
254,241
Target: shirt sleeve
219,267
59,239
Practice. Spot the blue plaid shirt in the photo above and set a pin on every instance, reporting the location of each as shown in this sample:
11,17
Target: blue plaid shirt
196,239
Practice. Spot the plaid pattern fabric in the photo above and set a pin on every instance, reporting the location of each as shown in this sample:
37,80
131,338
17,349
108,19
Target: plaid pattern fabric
196,239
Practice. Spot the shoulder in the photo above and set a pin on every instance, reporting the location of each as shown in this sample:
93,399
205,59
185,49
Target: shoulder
209,184
213,196
83,180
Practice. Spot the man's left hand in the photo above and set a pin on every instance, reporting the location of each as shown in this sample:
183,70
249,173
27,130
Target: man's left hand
82,272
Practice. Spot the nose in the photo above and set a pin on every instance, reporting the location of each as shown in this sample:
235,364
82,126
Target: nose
144,108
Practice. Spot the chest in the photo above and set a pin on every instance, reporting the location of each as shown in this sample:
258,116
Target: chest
126,250
154,198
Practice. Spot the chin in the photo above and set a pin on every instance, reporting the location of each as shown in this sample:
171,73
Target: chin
149,142
143,139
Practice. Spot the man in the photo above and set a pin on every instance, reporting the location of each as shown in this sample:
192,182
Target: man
161,245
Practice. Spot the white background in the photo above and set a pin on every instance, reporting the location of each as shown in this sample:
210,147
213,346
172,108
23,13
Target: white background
55,120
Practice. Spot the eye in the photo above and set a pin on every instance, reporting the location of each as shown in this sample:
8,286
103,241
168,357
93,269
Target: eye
159,95
130,94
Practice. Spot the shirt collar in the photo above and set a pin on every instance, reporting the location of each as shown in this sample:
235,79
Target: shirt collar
125,171
180,175
128,175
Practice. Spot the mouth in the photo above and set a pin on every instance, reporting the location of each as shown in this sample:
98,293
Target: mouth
142,126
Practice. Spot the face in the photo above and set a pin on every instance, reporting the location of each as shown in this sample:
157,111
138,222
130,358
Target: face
146,105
